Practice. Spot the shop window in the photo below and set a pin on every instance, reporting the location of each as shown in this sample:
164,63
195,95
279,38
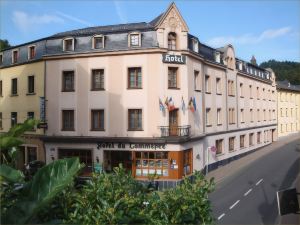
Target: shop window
135,119
97,79
135,78
97,120
187,162
68,81
68,120
172,77
148,163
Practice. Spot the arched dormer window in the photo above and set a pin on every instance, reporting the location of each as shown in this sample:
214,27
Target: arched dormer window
68,44
195,45
98,42
172,41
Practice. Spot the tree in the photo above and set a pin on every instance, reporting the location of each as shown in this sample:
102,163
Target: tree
4,44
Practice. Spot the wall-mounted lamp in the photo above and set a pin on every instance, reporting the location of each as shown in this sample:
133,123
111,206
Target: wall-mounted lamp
198,157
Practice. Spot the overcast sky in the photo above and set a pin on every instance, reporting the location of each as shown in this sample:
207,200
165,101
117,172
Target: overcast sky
266,29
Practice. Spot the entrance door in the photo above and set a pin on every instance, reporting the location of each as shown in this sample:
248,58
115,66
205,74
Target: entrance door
114,158
173,122
84,155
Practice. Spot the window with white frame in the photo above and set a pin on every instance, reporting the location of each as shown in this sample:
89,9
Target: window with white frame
219,116
98,42
197,80
134,39
208,117
195,45
207,84
231,143
218,86
68,44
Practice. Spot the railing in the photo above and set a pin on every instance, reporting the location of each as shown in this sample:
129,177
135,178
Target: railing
177,131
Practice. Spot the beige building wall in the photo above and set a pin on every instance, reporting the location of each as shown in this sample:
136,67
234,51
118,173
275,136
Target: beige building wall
288,112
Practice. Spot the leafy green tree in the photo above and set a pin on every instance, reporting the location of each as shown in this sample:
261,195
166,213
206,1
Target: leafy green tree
4,44
284,70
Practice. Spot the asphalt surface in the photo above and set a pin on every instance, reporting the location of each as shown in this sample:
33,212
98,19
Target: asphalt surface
249,195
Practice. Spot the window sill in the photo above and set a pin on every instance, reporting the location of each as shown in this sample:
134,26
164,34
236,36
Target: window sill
242,96
134,88
30,93
135,130
231,123
241,148
14,95
219,93
174,88
207,92
97,130
220,154
67,129
197,90
209,125
68,91
98,89
219,124
231,95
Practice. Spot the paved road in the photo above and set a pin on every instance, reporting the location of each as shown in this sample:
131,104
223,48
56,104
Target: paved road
249,195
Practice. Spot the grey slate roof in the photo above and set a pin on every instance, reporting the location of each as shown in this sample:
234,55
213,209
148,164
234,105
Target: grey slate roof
286,85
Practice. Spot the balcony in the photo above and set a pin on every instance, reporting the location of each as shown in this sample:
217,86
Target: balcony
175,131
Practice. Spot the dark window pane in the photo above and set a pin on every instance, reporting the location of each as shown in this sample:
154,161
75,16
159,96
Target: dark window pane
68,120
31,84
14,118
14,86
68,81
97,119
98,79
135,77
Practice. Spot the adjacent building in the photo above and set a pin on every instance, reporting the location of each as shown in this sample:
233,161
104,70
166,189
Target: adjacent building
288,108
148,95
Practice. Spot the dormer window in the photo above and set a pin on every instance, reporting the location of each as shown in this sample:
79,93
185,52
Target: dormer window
195,45
172,41
135,40
31,52
15,56
68,44
98,42
1,58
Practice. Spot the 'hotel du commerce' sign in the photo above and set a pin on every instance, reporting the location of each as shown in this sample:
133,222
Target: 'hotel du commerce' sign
177,59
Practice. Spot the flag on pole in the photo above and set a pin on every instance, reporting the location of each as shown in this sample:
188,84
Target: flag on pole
194,104
182,105
191,105
161,105
171,104
167,102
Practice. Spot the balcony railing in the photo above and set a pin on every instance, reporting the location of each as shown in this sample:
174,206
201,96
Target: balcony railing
175,131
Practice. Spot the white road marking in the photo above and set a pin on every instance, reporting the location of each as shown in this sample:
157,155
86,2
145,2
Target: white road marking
248,192
258,182
220,217
234,204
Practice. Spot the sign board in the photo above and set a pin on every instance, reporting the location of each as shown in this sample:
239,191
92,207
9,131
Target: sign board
287,201
42,125
42,109
176,59
130,146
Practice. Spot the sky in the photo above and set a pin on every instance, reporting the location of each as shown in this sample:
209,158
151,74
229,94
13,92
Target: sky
266,29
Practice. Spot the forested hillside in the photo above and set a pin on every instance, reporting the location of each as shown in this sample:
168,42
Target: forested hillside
284,70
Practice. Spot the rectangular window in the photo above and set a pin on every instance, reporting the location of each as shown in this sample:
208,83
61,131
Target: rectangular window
152,163
30,84
219,146
1,93
30,115
14,118
251,115
257,92
197,80
14,86
135,119
1,121
207,84
15,56
208,117
98,42
187,162
219,116
258,115
172,77
258,137
231,143
1,59
218,86
251,91
135,78
68,81
231,116
31,52
68,120
134,40
242,116
68,44
97,119
97,79
251,139
231,89
242,141
241,90
265,115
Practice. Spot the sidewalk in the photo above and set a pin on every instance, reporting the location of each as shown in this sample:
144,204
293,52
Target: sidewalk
223,172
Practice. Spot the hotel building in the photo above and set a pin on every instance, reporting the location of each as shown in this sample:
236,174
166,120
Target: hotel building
152,97
288,108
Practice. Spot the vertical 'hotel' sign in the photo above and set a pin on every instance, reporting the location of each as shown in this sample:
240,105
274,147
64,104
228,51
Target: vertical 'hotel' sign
176,59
